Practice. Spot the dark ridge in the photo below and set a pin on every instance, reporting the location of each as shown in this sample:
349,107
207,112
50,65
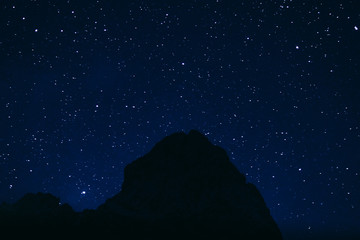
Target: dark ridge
185,187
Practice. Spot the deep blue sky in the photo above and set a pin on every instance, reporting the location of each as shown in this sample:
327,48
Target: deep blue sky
88,86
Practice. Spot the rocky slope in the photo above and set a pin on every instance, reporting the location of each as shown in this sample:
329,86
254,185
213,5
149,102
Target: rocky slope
185,187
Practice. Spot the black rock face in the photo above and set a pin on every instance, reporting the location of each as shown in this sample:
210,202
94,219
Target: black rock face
39,208
187,180
184,188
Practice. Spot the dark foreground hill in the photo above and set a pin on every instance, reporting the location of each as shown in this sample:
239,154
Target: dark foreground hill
184,188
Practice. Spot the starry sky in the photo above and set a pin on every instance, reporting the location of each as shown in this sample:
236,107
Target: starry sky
86,87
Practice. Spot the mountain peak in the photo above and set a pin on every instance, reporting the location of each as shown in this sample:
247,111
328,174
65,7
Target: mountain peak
196,134
185,176
185,187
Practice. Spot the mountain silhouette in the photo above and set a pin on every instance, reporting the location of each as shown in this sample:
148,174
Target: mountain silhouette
185,187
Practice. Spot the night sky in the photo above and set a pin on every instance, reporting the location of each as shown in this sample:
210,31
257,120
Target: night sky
86,87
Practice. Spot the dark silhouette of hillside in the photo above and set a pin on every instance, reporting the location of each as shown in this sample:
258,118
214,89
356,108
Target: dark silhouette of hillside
184,188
